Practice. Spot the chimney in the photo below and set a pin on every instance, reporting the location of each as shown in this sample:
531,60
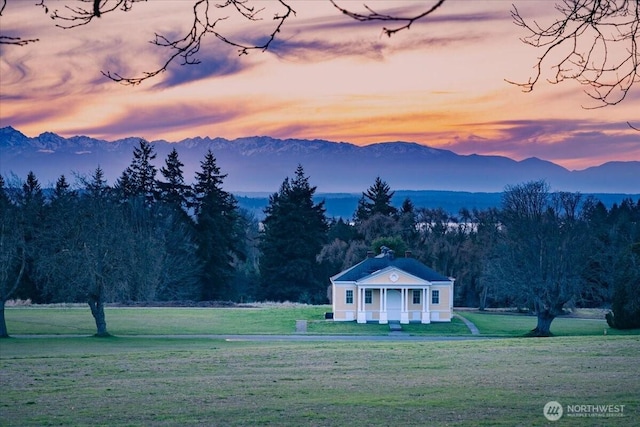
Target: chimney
407,254
370,254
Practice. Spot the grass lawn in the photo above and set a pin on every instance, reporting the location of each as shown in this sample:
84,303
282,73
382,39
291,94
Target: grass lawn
194,321
518,325
161,321
168,382
269,320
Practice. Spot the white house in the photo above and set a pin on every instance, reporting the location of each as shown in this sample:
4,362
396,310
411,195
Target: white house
387,288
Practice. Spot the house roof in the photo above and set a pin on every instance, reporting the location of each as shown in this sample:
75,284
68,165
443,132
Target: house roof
372,265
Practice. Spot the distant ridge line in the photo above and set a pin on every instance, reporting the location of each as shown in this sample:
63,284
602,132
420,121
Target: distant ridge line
259,164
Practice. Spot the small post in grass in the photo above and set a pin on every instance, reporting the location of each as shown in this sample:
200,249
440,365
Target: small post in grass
301,326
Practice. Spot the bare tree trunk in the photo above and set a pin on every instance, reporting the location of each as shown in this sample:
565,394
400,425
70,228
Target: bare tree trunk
543,329
97,310
4,333
3,324
483,298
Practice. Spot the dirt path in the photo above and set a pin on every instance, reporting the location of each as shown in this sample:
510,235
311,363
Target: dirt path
473,328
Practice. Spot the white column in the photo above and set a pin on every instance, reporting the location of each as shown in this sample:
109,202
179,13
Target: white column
362,315
426,315
427,298
404,314
384,319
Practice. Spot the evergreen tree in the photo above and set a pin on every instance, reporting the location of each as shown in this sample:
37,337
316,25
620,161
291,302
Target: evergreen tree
96,185
4,198
32,195
139,179
376,200
295,229
217,232
619,250
31,205
124,185
62,188
625,304
173,190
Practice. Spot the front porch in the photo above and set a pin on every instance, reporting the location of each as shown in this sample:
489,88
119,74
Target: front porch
383,304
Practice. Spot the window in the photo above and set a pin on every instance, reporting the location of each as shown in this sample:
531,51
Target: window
368,296
349,296
416,296
435,297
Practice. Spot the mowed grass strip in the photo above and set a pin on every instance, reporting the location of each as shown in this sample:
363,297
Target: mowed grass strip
269,320
198,321
161,321
512,325
148,381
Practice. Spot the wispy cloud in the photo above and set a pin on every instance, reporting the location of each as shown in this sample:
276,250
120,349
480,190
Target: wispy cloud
570,142
151,120
318,50
213,64
333,22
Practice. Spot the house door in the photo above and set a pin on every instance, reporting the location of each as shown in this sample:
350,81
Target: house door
394,304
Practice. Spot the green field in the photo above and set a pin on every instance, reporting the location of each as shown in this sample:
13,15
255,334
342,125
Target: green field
269,320
201,321
510,325
165,381
148,381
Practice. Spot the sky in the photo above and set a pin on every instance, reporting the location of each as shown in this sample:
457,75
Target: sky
441,83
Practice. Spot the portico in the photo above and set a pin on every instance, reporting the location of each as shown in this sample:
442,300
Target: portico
384,288
403,304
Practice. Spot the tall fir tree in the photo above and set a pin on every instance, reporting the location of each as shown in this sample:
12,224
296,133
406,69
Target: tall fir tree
376,201
62,188
96,185
173,190
217,230
139,179
295,228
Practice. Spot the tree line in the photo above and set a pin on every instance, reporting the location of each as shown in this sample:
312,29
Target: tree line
152,237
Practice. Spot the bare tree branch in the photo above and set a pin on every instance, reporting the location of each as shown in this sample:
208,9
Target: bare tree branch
587,39
17,41
375,16
594,42
186,48
73,17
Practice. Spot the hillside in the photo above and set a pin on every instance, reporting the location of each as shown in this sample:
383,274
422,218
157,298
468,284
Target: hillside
259,164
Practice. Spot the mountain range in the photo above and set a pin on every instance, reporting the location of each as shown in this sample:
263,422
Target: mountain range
260,163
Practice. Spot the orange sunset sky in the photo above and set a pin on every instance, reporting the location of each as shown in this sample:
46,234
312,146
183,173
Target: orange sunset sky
441,83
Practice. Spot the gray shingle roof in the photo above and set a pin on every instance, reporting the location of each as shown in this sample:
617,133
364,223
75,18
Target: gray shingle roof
371,265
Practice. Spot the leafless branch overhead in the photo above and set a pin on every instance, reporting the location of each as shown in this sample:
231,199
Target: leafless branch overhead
372,15
594,42
17,41
585,45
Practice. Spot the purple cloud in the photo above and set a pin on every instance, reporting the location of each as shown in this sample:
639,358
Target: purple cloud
153,120
212,65
317,50
554,140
